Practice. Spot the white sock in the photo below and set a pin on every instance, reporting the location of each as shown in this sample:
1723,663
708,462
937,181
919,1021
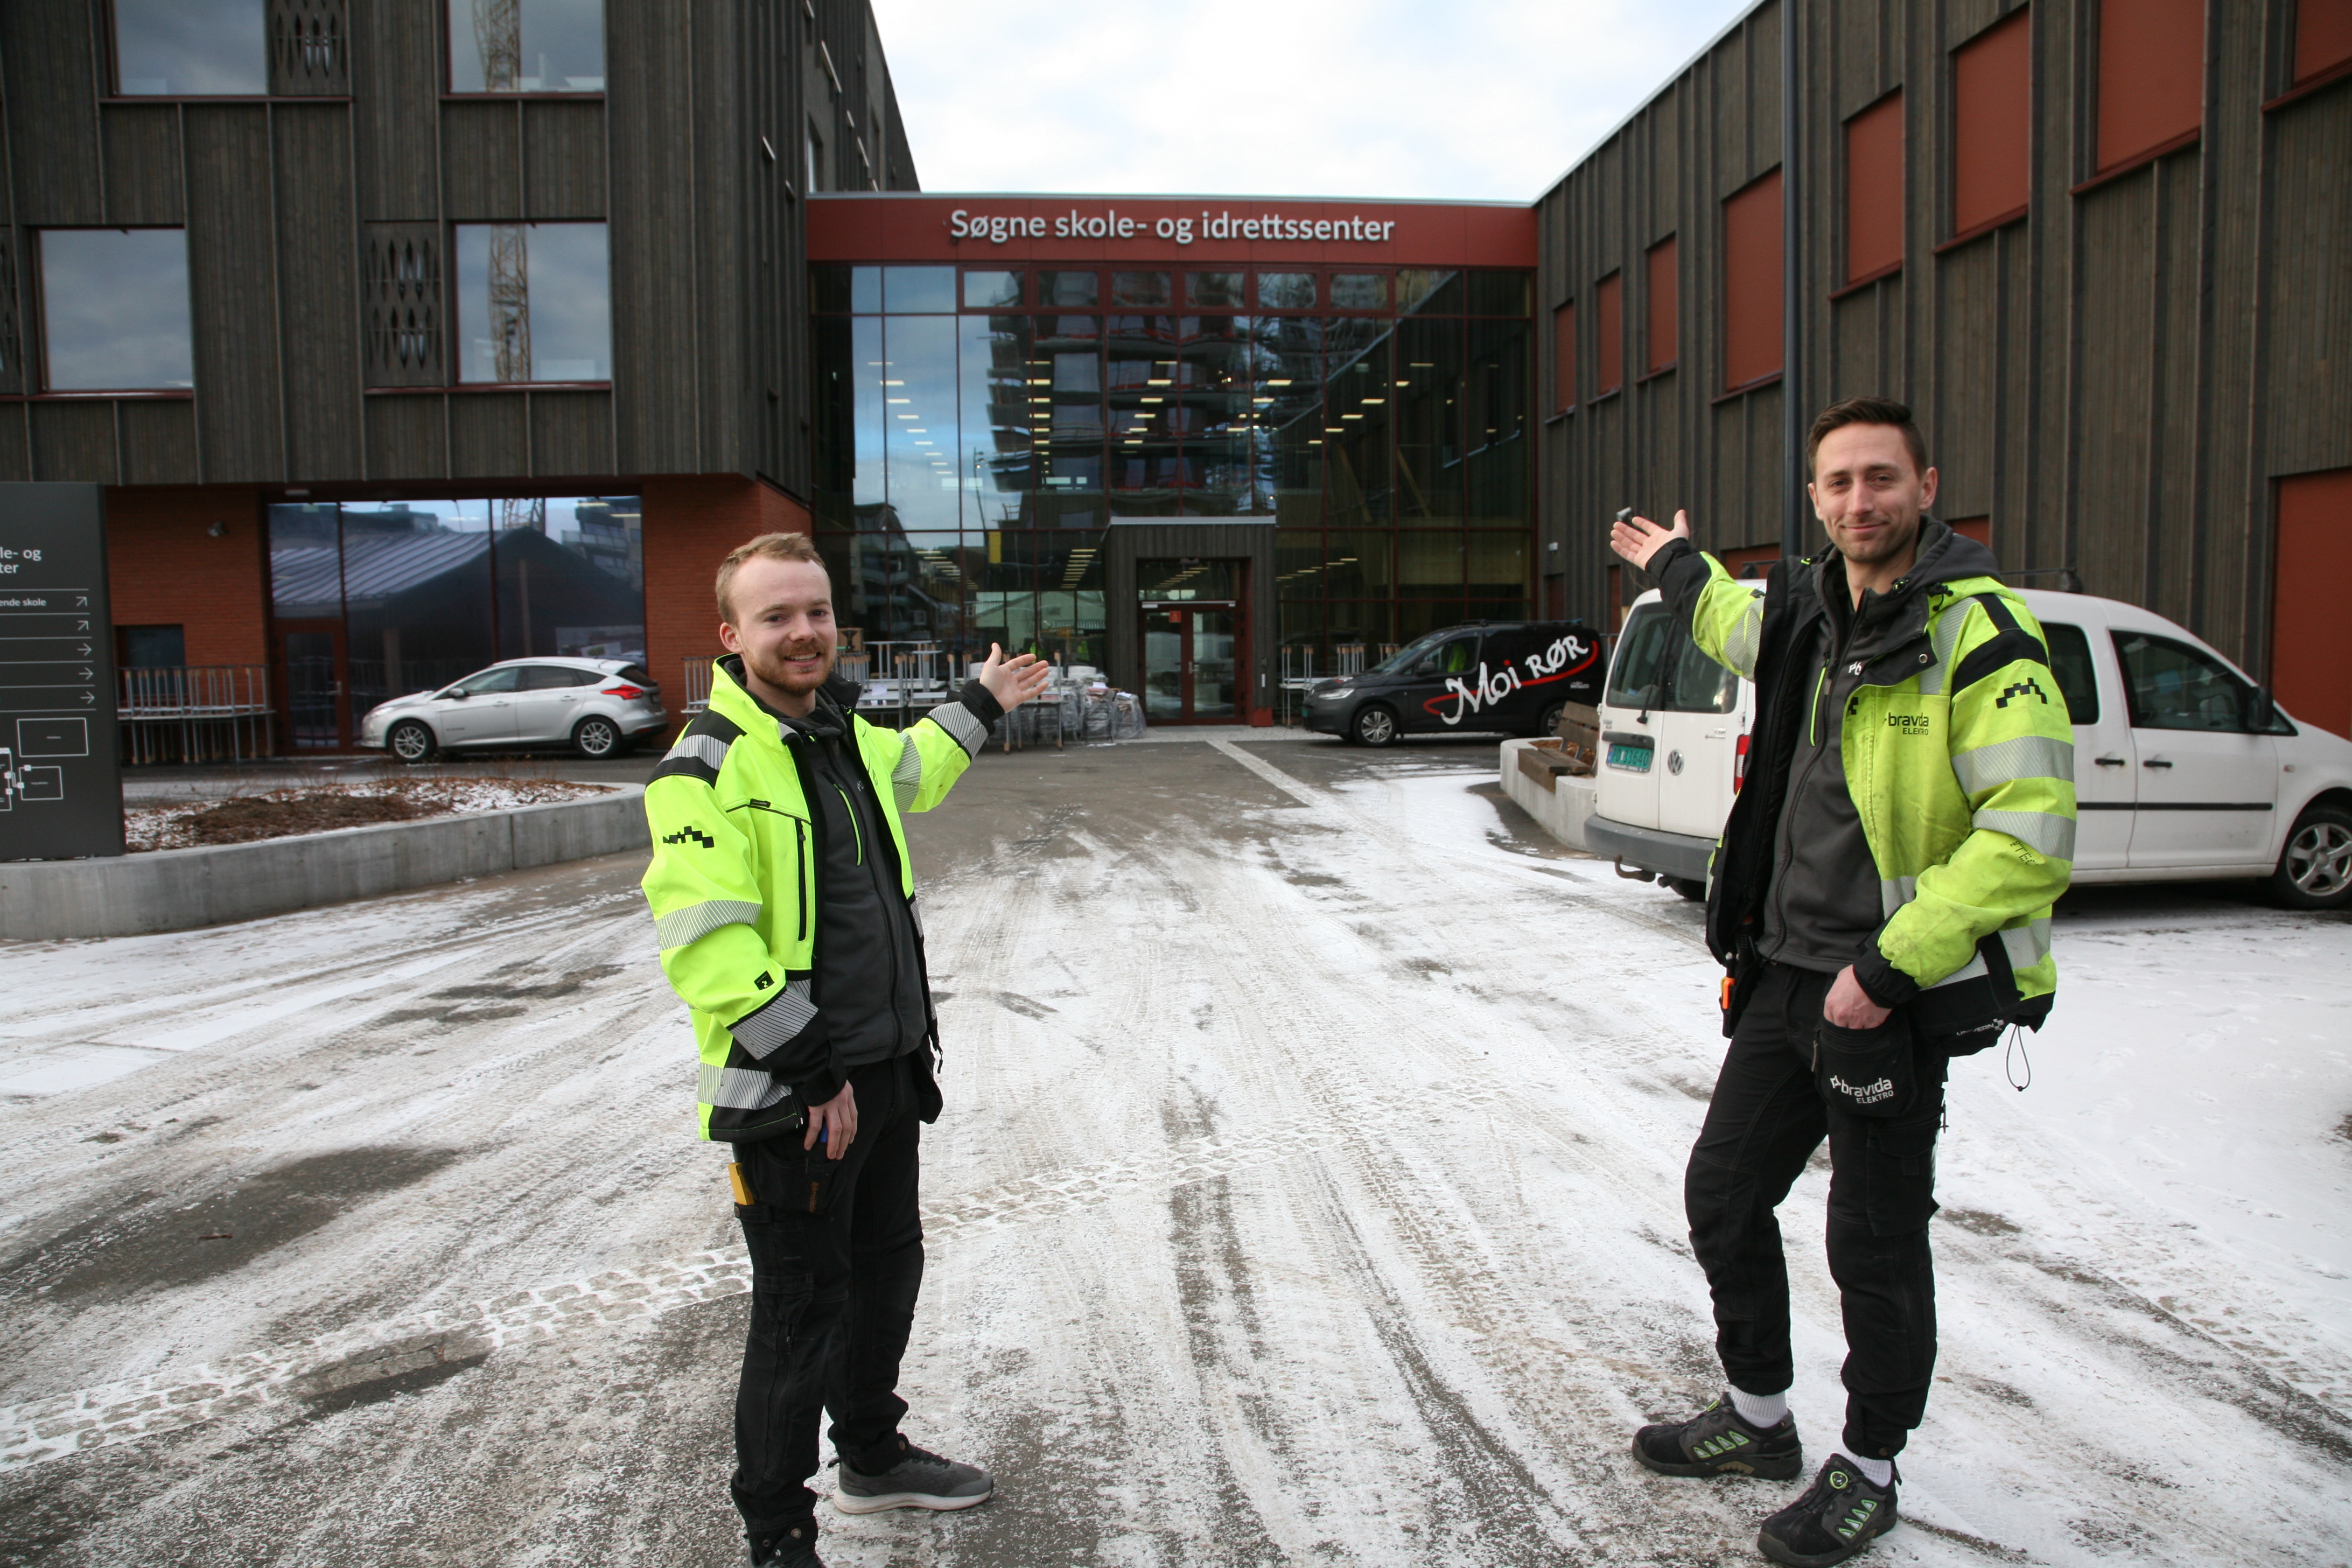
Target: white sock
1877,1472
1764,1410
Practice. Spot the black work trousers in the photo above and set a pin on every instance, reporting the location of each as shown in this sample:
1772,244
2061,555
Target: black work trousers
833,1296
1764,1123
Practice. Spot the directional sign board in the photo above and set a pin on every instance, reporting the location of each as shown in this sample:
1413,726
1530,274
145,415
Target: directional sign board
60,768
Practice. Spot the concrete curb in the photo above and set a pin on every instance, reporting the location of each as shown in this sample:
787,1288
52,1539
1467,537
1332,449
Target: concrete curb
177,890
1561,810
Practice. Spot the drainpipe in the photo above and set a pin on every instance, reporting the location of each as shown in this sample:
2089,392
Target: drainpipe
1795,415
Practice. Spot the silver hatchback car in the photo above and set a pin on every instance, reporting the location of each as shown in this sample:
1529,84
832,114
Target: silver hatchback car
596,707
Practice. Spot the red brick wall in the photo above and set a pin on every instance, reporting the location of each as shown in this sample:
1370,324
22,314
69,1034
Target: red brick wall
163,569
691,521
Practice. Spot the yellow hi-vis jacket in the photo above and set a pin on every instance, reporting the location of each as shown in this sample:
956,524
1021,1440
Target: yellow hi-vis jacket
734,888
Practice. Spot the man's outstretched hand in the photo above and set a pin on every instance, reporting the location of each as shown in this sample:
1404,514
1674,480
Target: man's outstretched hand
1637,539
1013,681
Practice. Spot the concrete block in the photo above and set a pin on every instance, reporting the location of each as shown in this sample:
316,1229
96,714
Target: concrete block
1561,809
178,889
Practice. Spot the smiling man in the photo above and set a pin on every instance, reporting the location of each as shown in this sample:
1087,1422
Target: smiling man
1881,899
784,904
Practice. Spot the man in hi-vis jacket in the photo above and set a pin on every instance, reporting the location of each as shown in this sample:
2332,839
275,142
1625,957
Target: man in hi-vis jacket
784,904
1880,898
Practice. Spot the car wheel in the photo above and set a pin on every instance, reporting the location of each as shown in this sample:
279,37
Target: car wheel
411,742
1375,725
596,739
1696,891
2315,870
1550,723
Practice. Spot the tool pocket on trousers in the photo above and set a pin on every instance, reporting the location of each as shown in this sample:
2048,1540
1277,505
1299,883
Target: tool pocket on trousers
1865,1072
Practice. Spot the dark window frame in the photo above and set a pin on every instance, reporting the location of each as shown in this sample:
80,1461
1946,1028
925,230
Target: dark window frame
36,364
449,93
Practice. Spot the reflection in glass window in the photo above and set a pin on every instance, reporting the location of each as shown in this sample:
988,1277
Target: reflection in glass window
534,302
2069,660
917,290
1213,288
1285,291
191,48
526,46
570,574
1433,292
1139,288
1359,291
2176,687
1066,289
983,290
114,309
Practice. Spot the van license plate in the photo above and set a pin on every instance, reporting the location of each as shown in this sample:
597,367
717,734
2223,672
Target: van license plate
1634,758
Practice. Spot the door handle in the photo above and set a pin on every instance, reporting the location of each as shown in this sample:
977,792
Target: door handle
2156,763
2111,761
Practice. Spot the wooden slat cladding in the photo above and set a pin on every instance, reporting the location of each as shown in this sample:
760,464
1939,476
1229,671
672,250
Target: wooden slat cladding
563,160
16,336
76,440
233,282
143,162
396,108
159,440
49,50
407,437
481,159
2116,372
318,290
657,273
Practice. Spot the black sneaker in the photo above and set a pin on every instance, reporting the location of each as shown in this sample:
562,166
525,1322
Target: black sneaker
793,1548
1841,1513
920,1478
1719,1441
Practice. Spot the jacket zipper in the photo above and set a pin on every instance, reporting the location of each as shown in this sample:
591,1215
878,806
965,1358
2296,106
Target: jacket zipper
801,873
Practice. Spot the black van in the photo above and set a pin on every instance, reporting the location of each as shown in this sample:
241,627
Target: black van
1513,676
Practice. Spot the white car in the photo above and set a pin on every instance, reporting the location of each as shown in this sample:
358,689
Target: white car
2183,767
597,707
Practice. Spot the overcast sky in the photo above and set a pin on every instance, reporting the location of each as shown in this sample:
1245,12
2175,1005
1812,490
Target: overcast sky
1479,99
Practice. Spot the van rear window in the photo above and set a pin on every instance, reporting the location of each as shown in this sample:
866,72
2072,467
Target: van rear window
2070,661
1658,666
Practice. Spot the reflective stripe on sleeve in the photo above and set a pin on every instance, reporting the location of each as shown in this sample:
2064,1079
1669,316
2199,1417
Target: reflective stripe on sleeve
1893,892
709,750
1741,647
1974,967
682,927
777,1022
2020,757
907,778
2039,830
963,724
739,1088
2027,945
1942,641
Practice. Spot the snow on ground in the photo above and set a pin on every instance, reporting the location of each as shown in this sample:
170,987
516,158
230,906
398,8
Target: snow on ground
1309,1190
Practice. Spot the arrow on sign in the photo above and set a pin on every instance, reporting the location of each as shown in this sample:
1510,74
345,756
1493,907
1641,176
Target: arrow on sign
83,652
86,699
84,673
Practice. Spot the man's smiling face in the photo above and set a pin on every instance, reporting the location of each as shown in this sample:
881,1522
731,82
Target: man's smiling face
1869,492
781,623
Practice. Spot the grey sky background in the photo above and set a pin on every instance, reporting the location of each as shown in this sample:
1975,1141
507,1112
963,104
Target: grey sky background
1484,101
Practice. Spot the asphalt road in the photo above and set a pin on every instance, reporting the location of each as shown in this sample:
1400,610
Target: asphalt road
1308,1192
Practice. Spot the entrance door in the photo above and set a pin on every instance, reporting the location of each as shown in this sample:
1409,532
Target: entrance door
1192,664
316,682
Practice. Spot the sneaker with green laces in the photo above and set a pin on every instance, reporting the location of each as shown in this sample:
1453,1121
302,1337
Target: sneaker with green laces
1719,1441
1842,1512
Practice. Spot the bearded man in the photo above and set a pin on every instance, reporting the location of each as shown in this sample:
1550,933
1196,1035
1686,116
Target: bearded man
784,904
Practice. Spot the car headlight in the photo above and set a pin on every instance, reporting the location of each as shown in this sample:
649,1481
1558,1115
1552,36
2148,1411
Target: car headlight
1337,694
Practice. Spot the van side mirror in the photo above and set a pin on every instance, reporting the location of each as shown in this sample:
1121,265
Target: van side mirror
2262,712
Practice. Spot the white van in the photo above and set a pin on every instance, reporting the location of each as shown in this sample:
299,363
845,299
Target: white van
2183,767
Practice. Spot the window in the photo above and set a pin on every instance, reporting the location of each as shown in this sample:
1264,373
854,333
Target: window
1285,291
556,677
114,309
1874,190
1066,289
1213,288
1563,360
150,647
191,48
1752,315
2069,660
1608,306
2151,77
492,681
983,291
1134,289
1660,279
1992,113
816,180
1360,291
2172,686
2322,38
1659,666
533,302
527,46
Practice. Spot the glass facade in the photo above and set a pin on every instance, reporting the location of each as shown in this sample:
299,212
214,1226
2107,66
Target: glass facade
373,600
978,430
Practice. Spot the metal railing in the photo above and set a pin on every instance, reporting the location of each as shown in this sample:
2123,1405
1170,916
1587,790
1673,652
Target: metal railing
194,713
695,684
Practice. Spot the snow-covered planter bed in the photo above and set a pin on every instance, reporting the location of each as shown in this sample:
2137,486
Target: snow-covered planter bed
322,809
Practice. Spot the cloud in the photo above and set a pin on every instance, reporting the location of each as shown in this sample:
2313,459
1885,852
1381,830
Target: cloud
1481,102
